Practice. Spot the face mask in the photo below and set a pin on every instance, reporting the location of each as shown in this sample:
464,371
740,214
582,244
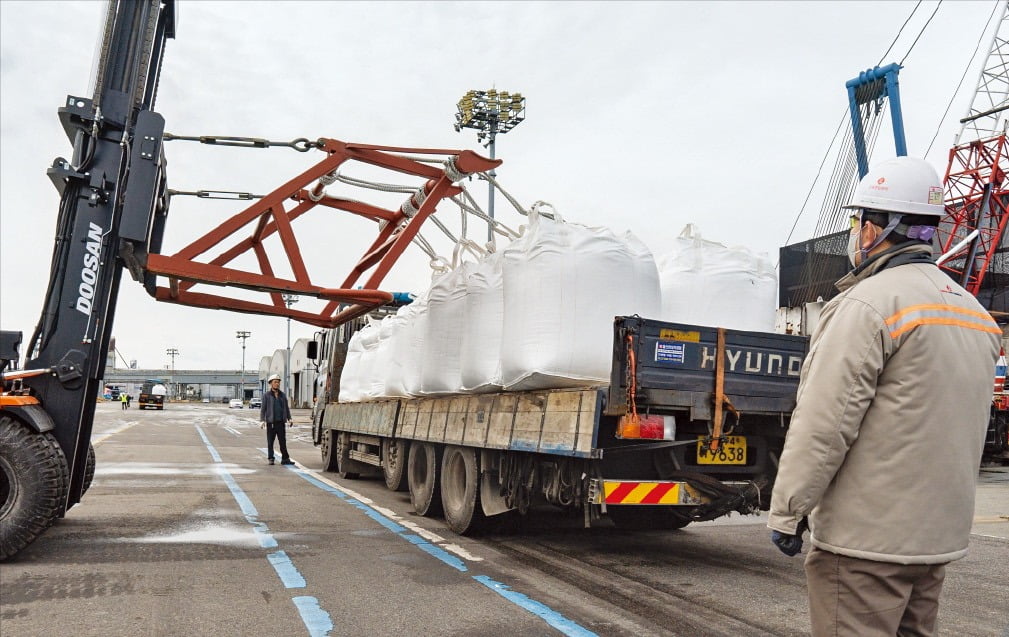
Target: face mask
853,247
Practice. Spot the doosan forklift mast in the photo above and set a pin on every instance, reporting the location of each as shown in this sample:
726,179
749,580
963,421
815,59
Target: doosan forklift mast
112,207
114,204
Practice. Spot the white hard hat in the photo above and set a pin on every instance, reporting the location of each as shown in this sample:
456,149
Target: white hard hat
273,378
904,185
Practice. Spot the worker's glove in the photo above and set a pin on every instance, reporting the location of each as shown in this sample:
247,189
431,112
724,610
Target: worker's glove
262,425
790,545
290,423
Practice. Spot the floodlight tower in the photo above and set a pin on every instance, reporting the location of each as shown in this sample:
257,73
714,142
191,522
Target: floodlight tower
289,300
490,112
171,351
243,335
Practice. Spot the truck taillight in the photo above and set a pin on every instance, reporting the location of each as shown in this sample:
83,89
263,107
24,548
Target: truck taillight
647,427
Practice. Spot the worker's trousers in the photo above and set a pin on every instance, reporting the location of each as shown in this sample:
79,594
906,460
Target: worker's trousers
851,596
276,430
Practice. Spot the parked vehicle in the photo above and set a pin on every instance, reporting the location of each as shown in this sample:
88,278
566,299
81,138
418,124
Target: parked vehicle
255,403
235,403
152,394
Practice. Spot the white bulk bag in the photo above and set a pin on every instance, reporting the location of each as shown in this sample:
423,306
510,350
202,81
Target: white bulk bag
383,357
481,337
350,380
446,311
708,283
411,339
394,362
366,364
563,285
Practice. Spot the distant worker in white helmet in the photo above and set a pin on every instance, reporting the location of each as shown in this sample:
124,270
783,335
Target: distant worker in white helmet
885,441
274,413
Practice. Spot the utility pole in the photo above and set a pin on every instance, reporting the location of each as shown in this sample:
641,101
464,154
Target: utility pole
289,300
242,335
171,351
490,113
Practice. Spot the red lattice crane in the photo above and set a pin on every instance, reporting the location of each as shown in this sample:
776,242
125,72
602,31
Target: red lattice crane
977,192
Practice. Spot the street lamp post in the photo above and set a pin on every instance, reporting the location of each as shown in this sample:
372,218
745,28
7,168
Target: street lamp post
289,300
171,351
490,112
243,335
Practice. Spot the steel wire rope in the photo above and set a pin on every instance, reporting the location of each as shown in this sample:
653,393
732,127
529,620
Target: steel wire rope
843,151
959,84
899,31
844,118
842,185
819,171
925,26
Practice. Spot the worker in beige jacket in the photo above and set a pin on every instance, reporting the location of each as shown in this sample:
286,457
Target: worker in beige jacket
885,441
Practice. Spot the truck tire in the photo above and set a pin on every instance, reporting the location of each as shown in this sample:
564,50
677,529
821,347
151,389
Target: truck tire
317,429
344,465
33,484
422,478
327,447
394,454
644,517
460,490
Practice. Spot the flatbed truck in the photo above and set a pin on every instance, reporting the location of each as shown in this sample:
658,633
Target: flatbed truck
689,428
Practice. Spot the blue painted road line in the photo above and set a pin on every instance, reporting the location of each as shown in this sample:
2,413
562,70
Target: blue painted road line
286,570
550,616
316,620
547,614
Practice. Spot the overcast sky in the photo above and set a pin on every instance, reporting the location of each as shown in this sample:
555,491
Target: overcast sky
640,116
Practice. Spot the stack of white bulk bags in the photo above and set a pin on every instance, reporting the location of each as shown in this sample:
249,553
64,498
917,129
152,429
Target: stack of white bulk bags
563,285
350,378
481,338
446,320
707,283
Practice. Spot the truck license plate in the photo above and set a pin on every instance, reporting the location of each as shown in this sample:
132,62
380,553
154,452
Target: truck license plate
731,451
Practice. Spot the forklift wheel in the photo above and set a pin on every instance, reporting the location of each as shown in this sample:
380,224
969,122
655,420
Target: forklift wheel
33,475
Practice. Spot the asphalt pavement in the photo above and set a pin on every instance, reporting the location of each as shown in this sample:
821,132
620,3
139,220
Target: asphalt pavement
186,530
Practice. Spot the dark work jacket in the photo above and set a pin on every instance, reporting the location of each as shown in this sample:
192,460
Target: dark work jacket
266,410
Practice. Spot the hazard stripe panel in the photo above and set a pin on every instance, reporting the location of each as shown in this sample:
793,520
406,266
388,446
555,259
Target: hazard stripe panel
641,492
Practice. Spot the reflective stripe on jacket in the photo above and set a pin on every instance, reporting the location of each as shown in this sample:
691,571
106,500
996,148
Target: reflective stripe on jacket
885,441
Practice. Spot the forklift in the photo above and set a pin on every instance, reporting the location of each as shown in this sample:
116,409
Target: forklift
112,213
114,203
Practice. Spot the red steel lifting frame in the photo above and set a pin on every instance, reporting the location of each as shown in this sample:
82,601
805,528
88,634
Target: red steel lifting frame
270,215
971,167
